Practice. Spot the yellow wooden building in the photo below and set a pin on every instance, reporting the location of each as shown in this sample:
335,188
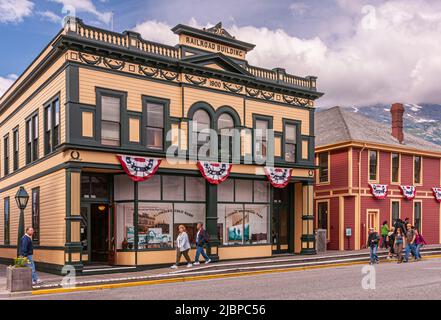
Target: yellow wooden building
93,94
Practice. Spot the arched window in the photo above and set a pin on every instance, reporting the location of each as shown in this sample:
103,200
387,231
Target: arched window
200,128
225,126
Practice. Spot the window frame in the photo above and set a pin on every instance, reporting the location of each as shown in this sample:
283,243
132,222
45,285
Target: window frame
16,148
6,155
32,142
270,121
35,218
7,221
420,202
392,201
328,181
52,140
123,129
297,146
377,168
420,182
165,103
392,168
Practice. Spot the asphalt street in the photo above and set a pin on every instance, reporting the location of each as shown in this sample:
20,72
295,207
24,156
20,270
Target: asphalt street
414,280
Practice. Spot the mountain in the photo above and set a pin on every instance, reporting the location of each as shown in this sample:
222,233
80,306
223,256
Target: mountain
422,120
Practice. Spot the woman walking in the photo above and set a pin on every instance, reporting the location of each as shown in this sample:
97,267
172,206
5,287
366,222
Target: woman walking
384,233
399,244
182,247
419,242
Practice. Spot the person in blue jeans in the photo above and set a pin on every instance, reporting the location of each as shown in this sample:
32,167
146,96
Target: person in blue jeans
372,243
410,240
26,249
201,240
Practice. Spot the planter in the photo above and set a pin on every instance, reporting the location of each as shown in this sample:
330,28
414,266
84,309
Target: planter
18,279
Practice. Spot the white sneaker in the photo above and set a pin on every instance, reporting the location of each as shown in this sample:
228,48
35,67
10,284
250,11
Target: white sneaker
174,266
196,263
208,261
189,265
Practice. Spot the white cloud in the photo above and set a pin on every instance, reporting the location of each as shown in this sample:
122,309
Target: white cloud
86,6
13,11
395,59
298,8
50,16
6,82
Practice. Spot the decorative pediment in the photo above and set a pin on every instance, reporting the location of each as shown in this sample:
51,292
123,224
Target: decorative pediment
220,31
217,61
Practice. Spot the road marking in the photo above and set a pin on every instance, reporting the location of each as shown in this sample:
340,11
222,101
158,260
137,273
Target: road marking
203,277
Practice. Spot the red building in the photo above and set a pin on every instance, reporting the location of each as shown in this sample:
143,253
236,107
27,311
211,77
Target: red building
363,168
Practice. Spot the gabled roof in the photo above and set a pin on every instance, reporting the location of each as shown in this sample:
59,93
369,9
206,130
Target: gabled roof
219,60
339,124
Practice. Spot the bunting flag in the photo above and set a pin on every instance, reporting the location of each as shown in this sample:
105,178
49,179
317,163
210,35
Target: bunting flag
213,172
139,168
379,191
279,178
409,192
437,194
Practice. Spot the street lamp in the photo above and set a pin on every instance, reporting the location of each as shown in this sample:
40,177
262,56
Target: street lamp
22,198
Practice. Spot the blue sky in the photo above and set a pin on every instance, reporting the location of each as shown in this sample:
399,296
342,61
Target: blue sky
363,51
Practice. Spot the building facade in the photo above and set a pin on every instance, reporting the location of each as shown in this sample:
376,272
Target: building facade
370,173
93,94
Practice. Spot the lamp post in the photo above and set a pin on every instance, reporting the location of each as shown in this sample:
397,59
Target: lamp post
22,198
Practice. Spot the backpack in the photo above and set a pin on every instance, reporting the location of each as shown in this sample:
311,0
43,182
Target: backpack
205,236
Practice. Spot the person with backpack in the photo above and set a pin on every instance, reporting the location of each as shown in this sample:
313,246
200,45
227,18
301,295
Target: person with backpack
400,241
372,243
410,243
391,243
202,239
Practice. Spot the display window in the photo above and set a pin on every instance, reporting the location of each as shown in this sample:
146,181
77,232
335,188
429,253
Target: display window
243,212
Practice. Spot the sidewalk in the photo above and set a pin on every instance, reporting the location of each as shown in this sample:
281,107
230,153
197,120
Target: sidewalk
330,258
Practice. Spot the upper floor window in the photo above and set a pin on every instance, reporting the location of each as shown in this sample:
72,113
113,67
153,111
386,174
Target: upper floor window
51,126
6,154
290,142
201,131
323,167
110,120
155,126
15,147
32,139
417,168
395,167
261,138
373,165
225,126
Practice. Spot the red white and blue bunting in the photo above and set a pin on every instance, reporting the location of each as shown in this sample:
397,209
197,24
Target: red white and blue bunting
379,191
213,172
437,194
279,178
409,192
139,168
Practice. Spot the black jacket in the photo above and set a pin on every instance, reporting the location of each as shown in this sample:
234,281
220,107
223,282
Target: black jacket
26,247
373,239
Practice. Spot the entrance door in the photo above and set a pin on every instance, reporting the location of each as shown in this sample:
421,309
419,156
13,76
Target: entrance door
281,222
99,233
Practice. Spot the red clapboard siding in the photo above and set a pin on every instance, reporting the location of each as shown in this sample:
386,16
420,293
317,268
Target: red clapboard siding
350,221
334,218
339,169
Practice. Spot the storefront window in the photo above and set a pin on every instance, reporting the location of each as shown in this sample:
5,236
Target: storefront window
155,222
159,213
94,186
243,218
125,232
150,189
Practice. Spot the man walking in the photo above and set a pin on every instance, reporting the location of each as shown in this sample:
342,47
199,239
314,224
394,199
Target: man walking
410,240
26,249
373,240
202,239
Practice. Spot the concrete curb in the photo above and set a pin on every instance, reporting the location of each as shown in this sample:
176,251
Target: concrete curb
206,276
